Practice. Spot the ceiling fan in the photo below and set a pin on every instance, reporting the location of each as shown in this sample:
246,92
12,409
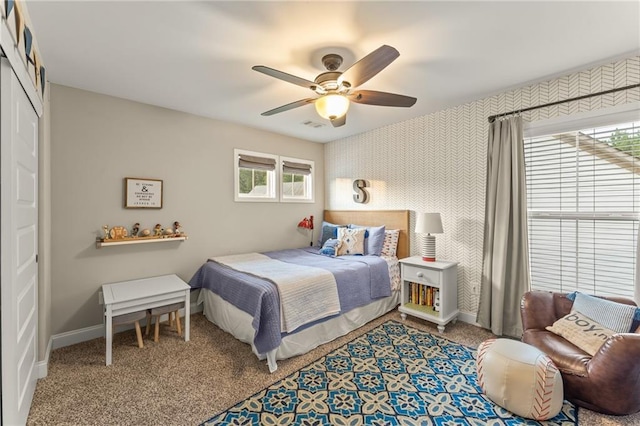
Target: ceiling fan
335,88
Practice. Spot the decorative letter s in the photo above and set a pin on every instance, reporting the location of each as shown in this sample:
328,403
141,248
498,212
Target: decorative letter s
360,196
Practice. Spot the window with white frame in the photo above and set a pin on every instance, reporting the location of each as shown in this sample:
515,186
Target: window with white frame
255,176
583,196
296,178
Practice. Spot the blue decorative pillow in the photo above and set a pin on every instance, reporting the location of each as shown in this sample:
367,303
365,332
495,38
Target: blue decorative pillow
330,247
329,230
618,317
374,239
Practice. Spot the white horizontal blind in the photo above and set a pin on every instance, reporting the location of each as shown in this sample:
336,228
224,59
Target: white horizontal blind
583,194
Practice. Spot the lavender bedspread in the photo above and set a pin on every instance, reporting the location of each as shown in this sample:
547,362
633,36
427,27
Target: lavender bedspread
360,280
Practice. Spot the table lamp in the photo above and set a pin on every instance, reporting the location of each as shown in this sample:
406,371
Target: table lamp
427,224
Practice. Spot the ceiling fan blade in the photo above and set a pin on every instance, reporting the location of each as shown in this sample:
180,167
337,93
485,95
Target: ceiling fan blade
287,107
370,65
289,78
340,121
372,97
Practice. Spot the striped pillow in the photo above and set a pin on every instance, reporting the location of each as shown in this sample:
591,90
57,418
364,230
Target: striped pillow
330,247
615,316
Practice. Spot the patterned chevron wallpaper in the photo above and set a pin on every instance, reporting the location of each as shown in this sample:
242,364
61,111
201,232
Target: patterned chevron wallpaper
437,162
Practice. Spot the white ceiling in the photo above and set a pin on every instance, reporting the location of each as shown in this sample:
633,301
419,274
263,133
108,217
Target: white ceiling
196,57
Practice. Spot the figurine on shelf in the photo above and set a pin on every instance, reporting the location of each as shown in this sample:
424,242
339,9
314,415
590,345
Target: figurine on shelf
157,231
105,229
177,228
146,232
118,232
135,230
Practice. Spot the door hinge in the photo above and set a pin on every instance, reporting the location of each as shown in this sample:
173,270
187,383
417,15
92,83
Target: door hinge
36,258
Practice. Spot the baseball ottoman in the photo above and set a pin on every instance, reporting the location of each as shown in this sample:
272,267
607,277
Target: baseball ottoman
520,378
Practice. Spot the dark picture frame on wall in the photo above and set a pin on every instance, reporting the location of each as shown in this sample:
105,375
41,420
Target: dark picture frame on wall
142,193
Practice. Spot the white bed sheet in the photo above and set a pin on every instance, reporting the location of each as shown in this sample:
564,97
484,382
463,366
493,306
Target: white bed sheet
237,322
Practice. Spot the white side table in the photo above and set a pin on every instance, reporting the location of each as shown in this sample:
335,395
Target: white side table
138,295
418,278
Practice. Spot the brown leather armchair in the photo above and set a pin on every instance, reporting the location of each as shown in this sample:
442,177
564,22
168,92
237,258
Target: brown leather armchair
608,382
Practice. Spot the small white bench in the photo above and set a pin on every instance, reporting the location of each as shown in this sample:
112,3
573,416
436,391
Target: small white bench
140,295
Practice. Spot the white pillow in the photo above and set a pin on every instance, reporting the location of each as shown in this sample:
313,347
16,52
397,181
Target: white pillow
582,331
351,241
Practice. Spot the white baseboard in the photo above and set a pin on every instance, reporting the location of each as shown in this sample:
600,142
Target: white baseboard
468,317
42,367
77,336
89,333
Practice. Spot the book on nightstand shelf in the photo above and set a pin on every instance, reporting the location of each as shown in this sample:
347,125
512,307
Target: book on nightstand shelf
424,295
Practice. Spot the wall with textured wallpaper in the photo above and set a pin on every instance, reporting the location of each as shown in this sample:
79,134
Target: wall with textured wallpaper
437,162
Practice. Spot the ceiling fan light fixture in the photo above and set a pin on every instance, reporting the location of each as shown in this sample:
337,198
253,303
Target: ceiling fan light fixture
334,87
332,106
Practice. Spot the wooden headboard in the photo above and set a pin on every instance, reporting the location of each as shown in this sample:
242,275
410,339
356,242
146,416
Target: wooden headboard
391,219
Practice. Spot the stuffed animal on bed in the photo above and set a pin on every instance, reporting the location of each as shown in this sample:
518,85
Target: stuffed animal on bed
331,247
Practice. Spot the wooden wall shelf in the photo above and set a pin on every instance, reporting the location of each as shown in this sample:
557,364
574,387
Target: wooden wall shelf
139,240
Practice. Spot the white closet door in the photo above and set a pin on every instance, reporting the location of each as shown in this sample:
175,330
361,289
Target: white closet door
19,247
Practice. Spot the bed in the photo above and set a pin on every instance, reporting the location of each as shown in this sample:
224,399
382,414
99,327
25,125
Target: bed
242,297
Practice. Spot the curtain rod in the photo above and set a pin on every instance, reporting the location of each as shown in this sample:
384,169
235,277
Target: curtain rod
577,98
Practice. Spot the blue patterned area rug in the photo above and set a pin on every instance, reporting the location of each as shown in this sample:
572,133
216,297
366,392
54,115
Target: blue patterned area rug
392,375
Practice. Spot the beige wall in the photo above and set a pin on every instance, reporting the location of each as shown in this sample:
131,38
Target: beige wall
437,162
98,140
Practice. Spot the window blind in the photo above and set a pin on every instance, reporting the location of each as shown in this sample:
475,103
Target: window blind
583,195
296,168
257,163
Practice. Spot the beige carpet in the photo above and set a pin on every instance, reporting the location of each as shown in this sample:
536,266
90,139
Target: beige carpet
173,382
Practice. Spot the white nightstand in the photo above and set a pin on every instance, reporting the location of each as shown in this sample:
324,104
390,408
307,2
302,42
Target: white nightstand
423,283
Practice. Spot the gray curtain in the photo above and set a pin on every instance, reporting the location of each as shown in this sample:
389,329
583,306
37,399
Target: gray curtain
637,292
505,263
